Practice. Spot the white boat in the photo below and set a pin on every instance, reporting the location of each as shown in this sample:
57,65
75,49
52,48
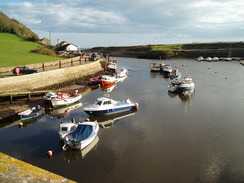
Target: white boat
65,99
175,74
209,59
199,59
108,79
105,105
83,135
187,86
167,69
174,84
215,59
122,73
155,66
67,127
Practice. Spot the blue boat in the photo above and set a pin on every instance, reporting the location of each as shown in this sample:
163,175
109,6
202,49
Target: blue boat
105,105
31,113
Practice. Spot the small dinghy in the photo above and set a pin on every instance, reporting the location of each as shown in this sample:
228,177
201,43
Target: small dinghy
31,113
105,105
80,135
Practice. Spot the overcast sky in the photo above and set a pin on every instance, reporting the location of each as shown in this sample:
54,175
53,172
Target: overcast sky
91,23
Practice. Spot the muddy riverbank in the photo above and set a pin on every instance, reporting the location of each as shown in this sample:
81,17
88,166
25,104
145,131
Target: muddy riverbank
9,111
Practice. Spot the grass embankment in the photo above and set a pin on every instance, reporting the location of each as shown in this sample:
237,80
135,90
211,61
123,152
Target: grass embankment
167,51
16,51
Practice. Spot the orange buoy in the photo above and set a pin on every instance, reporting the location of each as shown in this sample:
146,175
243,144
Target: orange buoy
49,154
20,125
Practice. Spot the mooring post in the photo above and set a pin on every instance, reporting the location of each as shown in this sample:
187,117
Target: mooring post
60,65
43,67
29,96
10,98
71,62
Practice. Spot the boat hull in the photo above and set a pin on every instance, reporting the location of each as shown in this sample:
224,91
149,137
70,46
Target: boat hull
109,111
62,102
31,114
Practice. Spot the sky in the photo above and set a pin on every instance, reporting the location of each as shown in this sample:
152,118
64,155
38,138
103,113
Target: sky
92,23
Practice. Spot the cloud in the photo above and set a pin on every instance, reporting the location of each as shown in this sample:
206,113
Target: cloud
157,19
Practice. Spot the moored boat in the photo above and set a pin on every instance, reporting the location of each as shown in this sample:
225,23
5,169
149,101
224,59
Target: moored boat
167,69
95,80
83,135
31,113
155,66
187,86
122,73
48,96
65,99
108,79
105,105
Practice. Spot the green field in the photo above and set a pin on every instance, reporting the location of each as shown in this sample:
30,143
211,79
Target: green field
16,51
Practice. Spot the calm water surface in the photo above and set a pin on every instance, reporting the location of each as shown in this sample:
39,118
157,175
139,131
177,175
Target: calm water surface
171,138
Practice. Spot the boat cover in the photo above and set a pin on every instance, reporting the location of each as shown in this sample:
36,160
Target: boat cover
82,132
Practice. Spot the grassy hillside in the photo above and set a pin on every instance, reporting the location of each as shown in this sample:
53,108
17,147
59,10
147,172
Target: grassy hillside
16,51
167,51
13,26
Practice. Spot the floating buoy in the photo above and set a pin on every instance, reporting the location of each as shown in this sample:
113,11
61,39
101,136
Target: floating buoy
215,72
49,154
20,125
226,77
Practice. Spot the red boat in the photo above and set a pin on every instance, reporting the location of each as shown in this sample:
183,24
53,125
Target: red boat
96,80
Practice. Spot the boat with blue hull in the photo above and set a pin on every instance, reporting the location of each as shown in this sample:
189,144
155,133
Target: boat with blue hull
105,105
31,113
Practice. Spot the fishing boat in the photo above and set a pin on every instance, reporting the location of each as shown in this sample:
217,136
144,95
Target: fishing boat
67,127
175,74
122,73
155,66
112,65
108,79
80,136
200,58
167,69
174,84
48,96
104,105
31,113
187,86
95,80
65,99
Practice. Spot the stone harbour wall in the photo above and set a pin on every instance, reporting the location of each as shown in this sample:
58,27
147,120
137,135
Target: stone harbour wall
48,78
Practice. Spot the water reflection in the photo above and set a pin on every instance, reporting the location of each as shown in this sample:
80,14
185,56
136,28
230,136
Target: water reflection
107,121
28,122
62,111
107,88
72,155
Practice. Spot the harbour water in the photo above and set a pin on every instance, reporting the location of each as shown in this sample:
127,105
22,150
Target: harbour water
171,138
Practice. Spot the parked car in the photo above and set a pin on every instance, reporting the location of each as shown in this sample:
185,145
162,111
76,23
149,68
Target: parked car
23,70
